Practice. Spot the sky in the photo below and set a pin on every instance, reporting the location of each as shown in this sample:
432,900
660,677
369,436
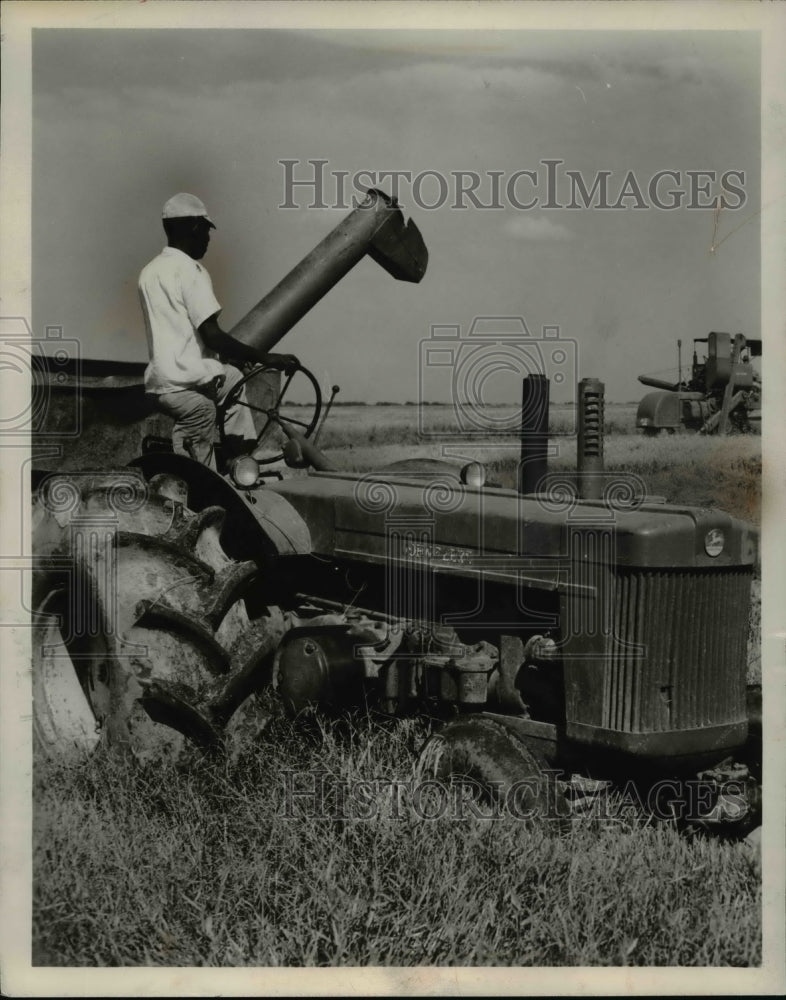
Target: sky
122,119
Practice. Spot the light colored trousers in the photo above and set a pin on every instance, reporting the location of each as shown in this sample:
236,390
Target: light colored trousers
194,413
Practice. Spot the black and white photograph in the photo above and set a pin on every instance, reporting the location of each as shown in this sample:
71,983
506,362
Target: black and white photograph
392,590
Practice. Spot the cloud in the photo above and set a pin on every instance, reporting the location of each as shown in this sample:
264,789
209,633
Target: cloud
537,229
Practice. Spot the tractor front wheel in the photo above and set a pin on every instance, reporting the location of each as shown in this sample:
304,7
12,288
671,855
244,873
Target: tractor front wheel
494,765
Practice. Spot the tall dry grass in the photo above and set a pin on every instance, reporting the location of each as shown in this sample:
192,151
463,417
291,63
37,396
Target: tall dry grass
724,473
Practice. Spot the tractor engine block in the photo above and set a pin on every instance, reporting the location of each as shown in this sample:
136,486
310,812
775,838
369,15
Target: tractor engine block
336,662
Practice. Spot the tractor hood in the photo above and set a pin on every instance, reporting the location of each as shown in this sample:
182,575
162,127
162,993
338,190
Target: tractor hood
457,529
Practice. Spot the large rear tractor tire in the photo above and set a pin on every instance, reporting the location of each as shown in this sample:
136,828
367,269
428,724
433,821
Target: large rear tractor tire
140,630
494,765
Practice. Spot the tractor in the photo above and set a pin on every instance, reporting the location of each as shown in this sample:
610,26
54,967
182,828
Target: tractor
563,635
722,394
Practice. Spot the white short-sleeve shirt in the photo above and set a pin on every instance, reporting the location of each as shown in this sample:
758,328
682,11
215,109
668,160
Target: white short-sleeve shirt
177,296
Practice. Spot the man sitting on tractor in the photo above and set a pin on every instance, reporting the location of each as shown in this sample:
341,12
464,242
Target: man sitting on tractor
181,311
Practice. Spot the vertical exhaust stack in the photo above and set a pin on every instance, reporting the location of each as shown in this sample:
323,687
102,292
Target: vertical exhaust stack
589,457
534,432
377,228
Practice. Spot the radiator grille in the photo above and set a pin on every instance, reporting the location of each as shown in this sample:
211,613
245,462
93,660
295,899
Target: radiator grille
678,658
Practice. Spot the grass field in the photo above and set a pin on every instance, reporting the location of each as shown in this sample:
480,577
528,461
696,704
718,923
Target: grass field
357,426
215,864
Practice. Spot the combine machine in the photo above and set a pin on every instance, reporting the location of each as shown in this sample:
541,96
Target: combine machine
553,630
722,394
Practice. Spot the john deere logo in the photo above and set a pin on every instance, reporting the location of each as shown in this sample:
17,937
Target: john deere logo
713,542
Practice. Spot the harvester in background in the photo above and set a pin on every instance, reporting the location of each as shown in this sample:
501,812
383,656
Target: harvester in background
723,392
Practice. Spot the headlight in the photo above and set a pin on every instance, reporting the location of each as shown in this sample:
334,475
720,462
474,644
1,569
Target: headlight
714,542
245,470
473,474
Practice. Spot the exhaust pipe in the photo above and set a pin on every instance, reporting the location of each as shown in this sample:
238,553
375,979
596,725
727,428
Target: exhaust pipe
589,457
534,432
377,228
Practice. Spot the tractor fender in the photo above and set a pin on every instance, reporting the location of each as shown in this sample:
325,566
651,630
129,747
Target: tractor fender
259,522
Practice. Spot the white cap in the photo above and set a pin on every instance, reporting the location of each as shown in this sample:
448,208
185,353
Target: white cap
184,205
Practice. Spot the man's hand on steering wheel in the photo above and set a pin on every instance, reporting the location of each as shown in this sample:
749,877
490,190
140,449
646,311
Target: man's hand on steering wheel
267,406
286,363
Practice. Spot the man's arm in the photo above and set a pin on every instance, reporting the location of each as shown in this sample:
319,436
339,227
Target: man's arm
217,340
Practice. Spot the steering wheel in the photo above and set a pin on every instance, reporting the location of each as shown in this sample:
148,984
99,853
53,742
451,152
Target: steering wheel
272,414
